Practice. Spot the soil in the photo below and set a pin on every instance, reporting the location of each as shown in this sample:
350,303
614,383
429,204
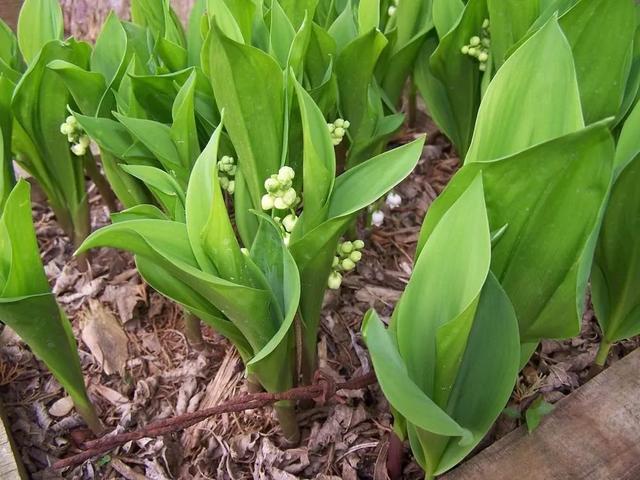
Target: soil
144,368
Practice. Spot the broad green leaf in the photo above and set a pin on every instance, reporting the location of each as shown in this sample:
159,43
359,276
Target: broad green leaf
39,106
164,187
601,35
360,186
223,18
368,15
194,32
40,21
111,54
27,305
319,159
536,411
459,74
521,106
429,301
628,147
398,386
167,245
281,34
6,157
510,22
446,14
344,29
411,18
297,9
562,182
10,59
616,270
184,131
87,88
254,117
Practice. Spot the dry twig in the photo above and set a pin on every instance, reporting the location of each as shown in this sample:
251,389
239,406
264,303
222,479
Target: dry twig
323,389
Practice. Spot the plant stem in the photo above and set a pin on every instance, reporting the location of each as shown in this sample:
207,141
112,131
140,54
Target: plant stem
413,104
603,352
193,331
88,413
100,182
394,457
286,414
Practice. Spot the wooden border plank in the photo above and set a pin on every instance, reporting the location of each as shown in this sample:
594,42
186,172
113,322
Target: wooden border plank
593,434
11,467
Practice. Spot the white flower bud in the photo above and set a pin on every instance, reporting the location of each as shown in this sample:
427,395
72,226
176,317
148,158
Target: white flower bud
289,197
393,200
347,264
286,239
224,183
483,67
465,50
245,251
267,202
391,11
286,174
336,262
346,248
231,188
377,218
78,150
474,41
355,256
483,57
72,122
346,124
339,123
485,24
85,141
289,222
358,244
66,129
335,280
339,132
271,185
331,127
280,204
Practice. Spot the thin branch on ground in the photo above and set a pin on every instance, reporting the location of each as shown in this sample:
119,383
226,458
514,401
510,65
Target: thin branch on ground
322,390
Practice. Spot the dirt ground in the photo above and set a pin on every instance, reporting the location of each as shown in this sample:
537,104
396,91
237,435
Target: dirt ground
145,370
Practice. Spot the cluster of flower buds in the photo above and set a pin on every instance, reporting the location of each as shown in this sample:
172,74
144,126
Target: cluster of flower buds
338,130
479,46
75,135
227,172
348,254
280,193
392,8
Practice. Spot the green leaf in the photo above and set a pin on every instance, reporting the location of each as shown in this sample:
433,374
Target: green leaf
521,107
184,131
368,15
446,14
398,386
628,147
510,22
296,10
6,157
254,117
194,33
534,192
281,34
39,106
319,159
459,75
536,411
40,21
601,34
111,54
616,270
87,88
165,188
27,305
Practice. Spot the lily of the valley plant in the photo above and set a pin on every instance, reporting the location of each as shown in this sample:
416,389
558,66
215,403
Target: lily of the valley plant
250,292
28,306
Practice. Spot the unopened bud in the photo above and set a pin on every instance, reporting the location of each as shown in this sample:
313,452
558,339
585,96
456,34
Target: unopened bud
289,222
267,202
347,264
335,280
355,256
358,244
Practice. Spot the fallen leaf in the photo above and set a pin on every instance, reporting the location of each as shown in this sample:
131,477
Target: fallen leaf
103,334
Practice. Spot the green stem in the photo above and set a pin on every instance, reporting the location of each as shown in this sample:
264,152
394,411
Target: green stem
100,182
193,331
603,352
413,104
286,414
88,413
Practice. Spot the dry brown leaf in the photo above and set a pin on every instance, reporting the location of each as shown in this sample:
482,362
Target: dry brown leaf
103,334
